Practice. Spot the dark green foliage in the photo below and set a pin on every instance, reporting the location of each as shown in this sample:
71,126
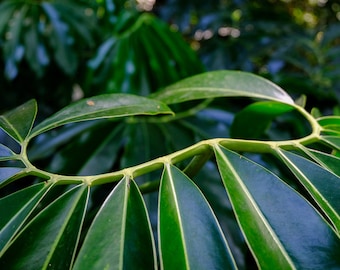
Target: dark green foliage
151,169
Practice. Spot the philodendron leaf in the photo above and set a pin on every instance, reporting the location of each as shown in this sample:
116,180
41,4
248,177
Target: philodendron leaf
189,234
222,84
49,240
120,236
252,121
263,204
321,184
103,106
16,208
18,122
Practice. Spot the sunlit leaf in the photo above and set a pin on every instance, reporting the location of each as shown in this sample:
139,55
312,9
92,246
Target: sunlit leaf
263,205
251,122
222,84
103,106
49,240
121,233
319,182
189,234
15,210
18,122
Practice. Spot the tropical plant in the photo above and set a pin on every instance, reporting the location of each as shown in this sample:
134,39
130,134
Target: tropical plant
286,220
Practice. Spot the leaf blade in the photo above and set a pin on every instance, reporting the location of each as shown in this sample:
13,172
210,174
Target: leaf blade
313,177
272,244
222,84
103,106
18,122
51,237
182,231
15,209
121,233
252,121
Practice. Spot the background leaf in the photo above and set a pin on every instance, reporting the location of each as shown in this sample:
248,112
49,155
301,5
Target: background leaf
251,122
6,153
7,174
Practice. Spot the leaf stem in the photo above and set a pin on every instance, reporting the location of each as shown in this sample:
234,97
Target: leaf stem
200,152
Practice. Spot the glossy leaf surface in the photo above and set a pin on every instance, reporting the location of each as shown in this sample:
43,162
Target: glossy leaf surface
319,182
222,84
120,236
16,208
50,239
189,234
18,122
254,193
103,106
251,122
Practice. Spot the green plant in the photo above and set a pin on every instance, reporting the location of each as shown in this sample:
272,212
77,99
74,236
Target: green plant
289,223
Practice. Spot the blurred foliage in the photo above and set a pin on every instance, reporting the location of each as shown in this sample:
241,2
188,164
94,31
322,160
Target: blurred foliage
60,51
293,43
66,49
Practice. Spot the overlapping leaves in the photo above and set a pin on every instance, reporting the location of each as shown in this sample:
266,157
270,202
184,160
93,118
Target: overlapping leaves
46,225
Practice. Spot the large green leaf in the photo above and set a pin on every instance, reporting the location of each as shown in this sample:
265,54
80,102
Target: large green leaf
15,210
189,234
251,122
18,122
103,106
50,239
222,84
282,229
322,185
120,236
